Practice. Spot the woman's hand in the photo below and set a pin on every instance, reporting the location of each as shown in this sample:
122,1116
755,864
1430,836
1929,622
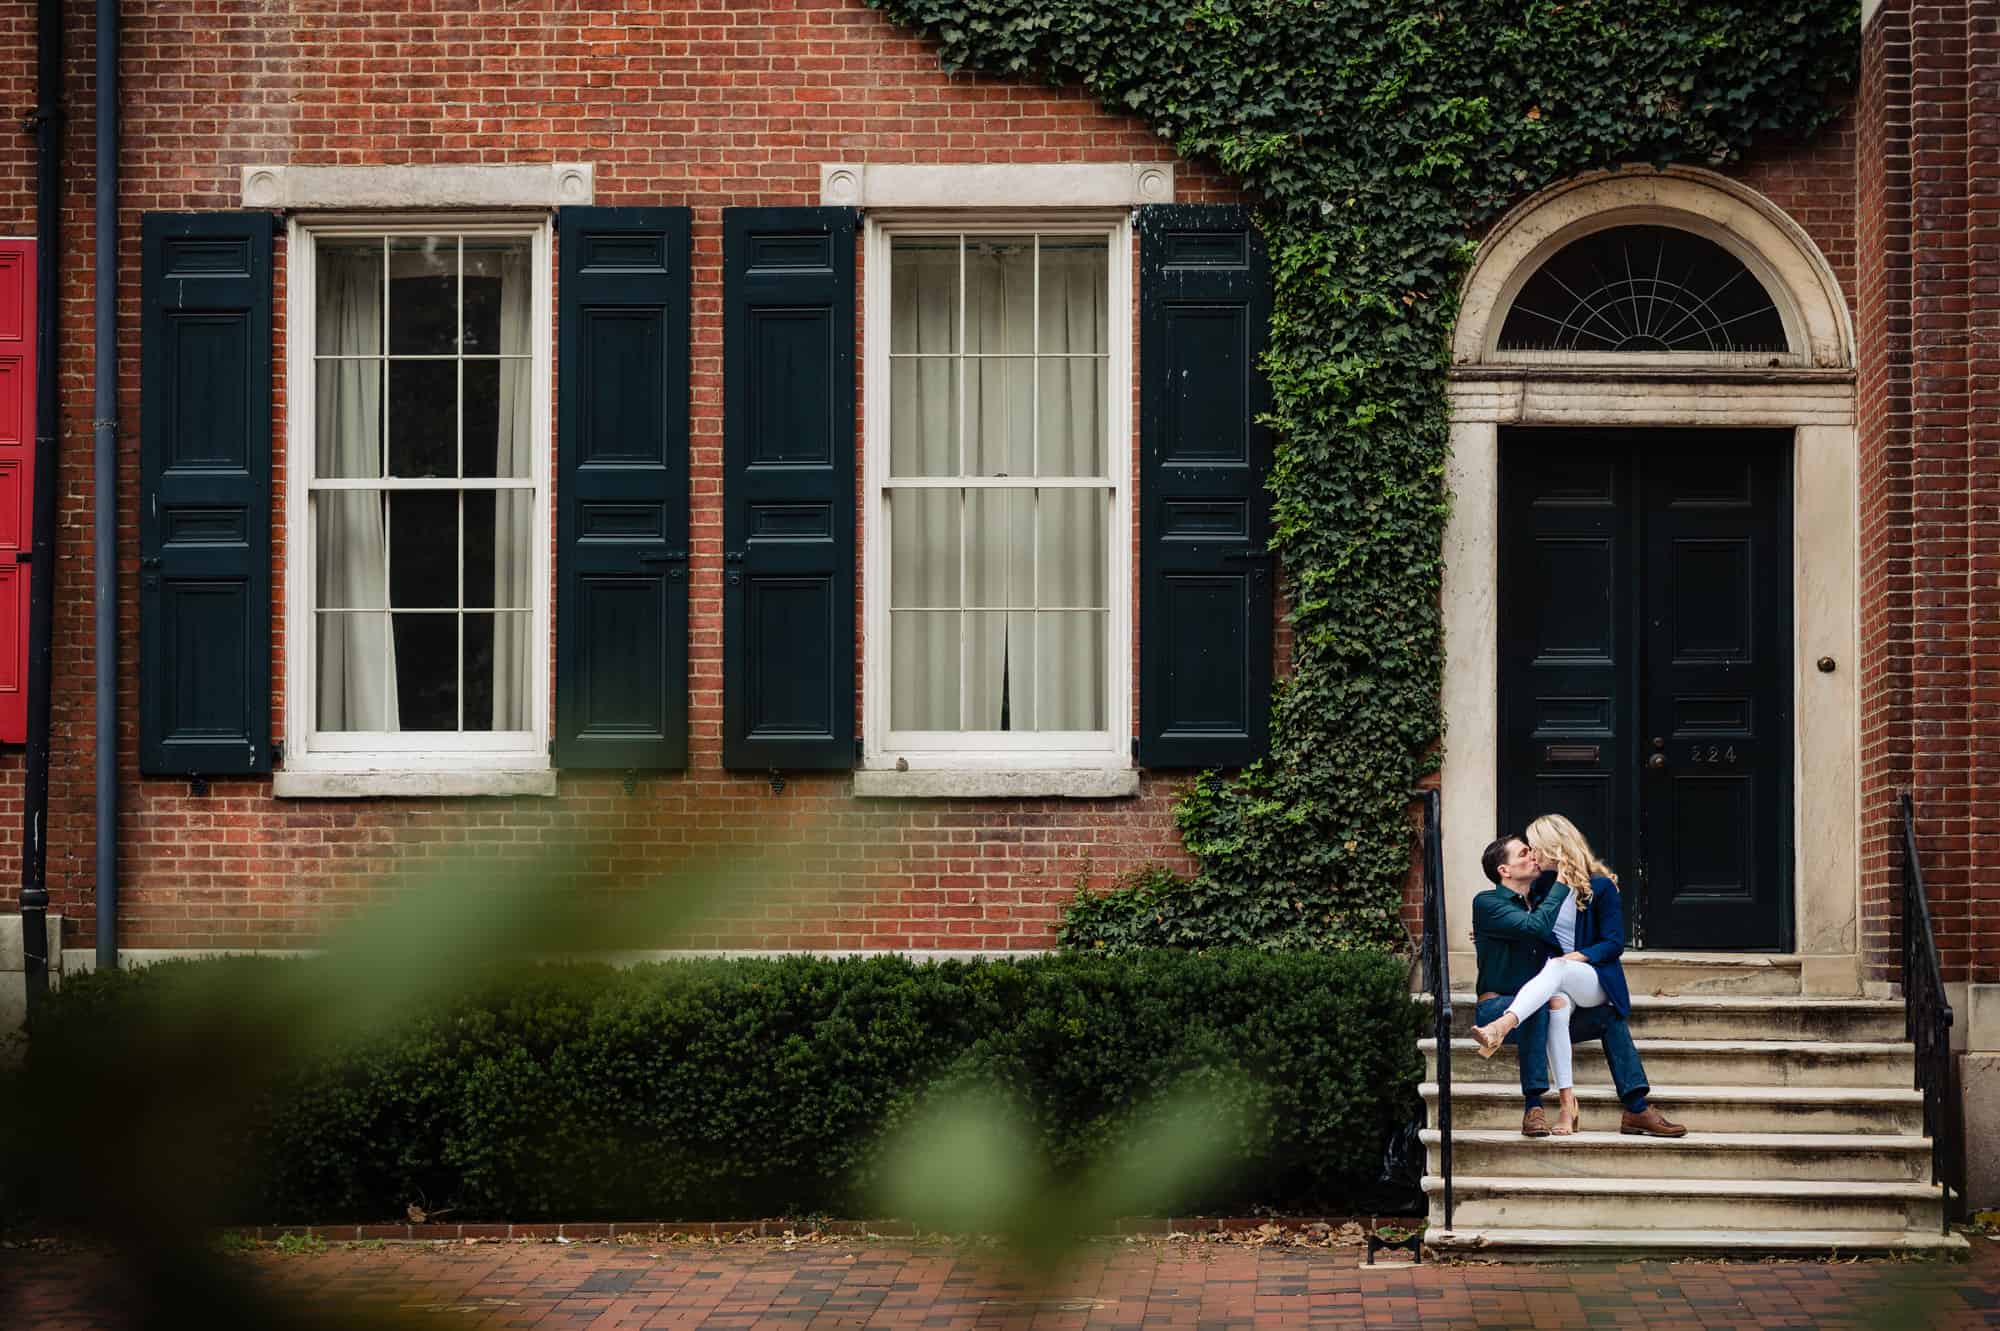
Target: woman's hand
1574,956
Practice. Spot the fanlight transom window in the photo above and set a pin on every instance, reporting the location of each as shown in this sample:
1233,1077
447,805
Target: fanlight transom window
1643,289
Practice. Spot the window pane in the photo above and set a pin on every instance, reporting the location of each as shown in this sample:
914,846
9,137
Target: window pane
999,294
1000,418
423,418
923,549
499,419
1074,547
497,669
1070,670
923,670
923,294
498,294
923,417
348,321
1000,671
423,295
1000,549
1075,295
1073,413
423,548
498,521
350,569
352,692
347,419
426,671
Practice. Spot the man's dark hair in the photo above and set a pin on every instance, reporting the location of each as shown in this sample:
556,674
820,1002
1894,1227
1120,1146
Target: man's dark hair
1494,856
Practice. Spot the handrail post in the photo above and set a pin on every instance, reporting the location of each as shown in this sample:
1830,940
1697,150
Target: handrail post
1927,1020
1437,977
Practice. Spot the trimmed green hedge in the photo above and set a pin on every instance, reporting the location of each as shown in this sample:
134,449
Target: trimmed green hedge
732,1089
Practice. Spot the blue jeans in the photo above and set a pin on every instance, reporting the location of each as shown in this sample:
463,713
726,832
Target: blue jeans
1602,1024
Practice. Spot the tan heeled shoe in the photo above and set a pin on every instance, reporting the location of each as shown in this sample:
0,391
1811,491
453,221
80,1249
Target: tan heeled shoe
1568,1123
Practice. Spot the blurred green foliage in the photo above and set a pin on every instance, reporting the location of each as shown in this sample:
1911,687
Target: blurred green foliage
729,1089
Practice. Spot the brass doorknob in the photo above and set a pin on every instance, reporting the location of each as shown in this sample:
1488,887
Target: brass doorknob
1657,761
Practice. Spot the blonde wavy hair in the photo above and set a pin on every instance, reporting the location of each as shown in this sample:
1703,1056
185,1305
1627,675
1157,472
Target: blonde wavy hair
1557,841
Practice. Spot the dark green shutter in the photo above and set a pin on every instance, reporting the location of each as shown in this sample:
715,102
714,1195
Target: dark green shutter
205,494
1206,580
622,489
788,488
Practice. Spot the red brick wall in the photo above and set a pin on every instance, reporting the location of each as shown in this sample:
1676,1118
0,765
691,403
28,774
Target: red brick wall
1929,400
710,104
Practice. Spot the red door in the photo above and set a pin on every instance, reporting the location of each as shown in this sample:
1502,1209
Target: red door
17,477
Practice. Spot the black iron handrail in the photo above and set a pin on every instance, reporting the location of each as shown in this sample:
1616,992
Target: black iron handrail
1436,953
1927,1024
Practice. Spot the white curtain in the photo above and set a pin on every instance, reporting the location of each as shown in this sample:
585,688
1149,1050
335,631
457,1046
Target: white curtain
357,663
513,515
992,660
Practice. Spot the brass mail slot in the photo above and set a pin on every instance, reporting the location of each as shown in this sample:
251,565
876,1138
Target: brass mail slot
1572,755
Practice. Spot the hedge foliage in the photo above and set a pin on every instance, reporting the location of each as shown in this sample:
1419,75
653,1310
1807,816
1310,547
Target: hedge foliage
1378,137
743,1088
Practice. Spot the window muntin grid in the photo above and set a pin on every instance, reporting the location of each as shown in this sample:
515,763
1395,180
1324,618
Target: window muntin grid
999,498
452,485
1648,290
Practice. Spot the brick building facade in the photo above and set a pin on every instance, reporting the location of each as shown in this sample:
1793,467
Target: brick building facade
713,106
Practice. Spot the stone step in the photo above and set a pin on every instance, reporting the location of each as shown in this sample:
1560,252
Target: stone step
1708,1063
1877,1111
1512,1202
1685,973
1715,1155
1573,1245
1741,1017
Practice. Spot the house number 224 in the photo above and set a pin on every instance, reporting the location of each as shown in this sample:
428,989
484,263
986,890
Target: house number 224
1713,753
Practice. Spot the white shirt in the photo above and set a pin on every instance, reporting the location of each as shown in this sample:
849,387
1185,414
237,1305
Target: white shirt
1566,925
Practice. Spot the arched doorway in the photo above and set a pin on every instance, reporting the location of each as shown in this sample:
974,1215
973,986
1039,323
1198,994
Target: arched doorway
1652,547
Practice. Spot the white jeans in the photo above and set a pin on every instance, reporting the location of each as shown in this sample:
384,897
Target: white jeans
1578,981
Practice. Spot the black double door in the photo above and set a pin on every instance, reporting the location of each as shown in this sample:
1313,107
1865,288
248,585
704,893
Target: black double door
1645,668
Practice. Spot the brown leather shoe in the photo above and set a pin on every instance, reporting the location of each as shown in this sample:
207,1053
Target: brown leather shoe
1535,1123
1652,1123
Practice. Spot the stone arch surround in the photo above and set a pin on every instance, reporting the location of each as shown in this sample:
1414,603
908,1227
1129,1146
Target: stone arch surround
1813,397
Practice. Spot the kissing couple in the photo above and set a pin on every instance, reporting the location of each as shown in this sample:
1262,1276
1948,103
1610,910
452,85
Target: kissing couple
1548,935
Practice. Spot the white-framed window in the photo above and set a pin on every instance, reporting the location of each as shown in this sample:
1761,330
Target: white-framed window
417,508
997,469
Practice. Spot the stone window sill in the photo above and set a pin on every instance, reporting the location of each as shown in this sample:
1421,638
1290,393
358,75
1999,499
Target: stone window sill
1084,783
336,785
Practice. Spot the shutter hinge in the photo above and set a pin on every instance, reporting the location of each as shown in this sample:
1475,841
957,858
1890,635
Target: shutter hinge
1135,748
277,753
857,749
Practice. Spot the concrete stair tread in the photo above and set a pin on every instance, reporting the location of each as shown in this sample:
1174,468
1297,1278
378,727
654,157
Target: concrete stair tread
1642,1188
1555,1244
1847,1048
1500,1090
1698,1141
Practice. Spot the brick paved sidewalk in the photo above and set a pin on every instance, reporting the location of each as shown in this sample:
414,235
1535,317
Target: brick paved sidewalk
752,1287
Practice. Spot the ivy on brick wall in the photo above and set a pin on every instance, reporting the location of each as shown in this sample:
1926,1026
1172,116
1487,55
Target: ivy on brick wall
1377,138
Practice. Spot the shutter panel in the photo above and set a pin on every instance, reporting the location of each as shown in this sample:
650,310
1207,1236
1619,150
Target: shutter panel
788,488
205,494
622,528
17,478
1205,577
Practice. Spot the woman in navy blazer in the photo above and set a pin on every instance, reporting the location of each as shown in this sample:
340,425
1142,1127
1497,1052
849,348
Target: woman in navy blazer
1584,970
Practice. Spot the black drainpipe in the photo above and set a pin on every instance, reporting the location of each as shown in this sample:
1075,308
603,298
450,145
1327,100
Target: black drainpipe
104,465
42,565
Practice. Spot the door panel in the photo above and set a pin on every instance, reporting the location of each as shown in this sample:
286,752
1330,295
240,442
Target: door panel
1645,667
1566,637
1716,693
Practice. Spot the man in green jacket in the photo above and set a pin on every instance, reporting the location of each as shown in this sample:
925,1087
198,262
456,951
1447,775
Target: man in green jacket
1512,941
